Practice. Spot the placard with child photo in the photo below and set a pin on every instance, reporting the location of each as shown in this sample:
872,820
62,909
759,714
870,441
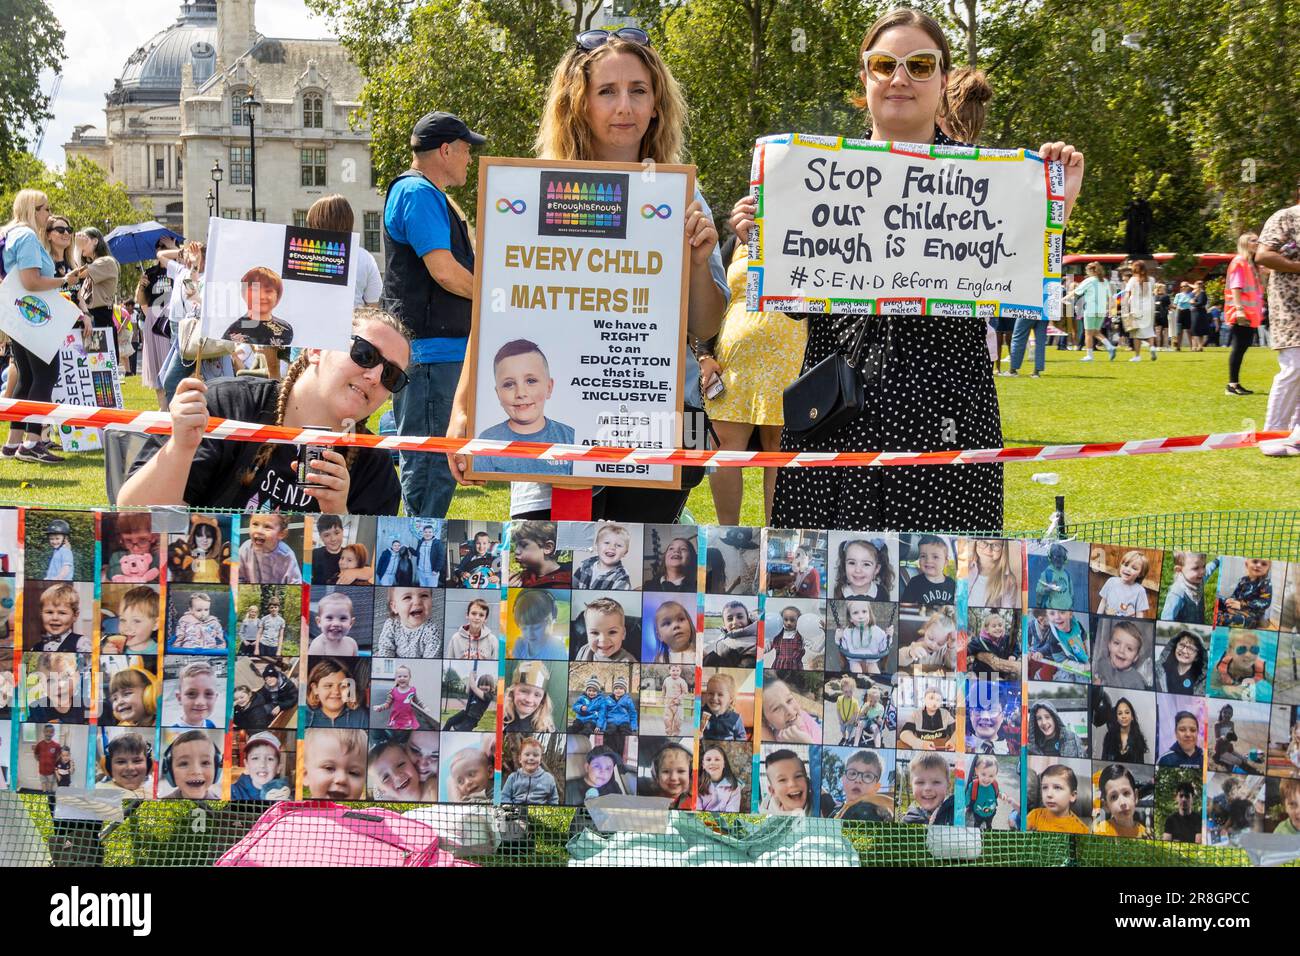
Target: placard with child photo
1123,725
855,709
1125,797
1123,581
194,692
342,549
536,561
789,781
397,768
723,775
925,789
664,770
51,756
132,547
794,633
531,767
992,793
791,707
466,768
732,560
730,637
1182,658
124,765
863,566
270,549
407,622
667,700
927,639
605,626
192,765
860,782
129,690
670,561
405,694
56,687
796,564
265,693
469,695
1249,593
198,619
992,715
927,567
202,555
334,764
58,616
668,632
862,636
264,764
1284,741
337,692
988,572
59,546
610,558
1058,575
474,552
340,620
1242,663
1183,592
472,625
1060,795
128,618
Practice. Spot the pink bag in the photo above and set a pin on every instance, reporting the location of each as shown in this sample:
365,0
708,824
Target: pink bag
314,833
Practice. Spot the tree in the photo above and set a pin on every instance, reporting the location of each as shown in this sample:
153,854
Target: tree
31,40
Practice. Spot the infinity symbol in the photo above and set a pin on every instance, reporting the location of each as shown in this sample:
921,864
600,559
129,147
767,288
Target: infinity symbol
649,212
517,207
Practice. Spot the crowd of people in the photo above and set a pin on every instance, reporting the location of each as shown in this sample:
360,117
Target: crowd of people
929,382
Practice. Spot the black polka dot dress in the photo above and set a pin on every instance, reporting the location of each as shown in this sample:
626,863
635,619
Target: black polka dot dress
929,387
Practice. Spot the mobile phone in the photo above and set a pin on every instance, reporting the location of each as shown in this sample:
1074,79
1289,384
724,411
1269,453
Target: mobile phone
715,386
307,455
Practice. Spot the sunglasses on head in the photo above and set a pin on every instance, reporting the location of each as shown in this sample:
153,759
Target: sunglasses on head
62,230
366,355
920,65
594,39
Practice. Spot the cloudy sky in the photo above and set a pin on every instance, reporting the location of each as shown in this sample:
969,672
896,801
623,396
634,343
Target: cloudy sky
101,34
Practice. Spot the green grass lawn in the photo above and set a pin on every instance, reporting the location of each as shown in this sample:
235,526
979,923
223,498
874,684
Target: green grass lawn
1180,394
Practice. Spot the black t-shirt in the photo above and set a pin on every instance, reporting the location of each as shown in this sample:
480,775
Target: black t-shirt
215,479
920,590
157,285
274,331
1183,828
325,566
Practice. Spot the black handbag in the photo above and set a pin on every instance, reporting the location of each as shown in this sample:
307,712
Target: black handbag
162,326
826,396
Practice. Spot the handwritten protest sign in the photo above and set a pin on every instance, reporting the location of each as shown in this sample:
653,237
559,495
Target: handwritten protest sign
847,225
88,375
580,315
38,320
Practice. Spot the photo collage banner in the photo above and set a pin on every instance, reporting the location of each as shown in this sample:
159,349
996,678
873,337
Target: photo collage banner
1000,684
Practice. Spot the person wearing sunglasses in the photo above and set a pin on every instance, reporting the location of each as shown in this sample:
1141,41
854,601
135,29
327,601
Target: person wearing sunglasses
929,382
325,389
613,99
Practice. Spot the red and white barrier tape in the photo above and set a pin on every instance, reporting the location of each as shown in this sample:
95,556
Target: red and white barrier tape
159,423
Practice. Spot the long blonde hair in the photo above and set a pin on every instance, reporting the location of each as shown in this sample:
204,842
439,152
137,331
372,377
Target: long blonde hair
1002,580
24,214
565,133
543,719
71,258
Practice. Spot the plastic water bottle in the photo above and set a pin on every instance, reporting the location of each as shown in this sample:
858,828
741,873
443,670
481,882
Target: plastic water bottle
1045,478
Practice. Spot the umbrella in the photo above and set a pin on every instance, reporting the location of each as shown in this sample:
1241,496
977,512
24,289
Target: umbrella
135,243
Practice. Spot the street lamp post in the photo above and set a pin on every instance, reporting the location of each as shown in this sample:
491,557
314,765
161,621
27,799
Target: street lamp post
211,200
251,104
216,181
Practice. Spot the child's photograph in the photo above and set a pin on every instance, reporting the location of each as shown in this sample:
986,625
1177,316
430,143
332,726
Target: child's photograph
197,619
1238,735
862,566
536,558
1124,797
796,564
927,639
532,768
59,546
269,619
1060,795
667,700
1284,741
192,765
791,707
1290,616
522,382
202,554
400,769
789,781
57,687
8,602
664,770
8,687
992,792
466,768
732,560
270,548
723,777
264,764
133,550
337,692
927,569
265,693
854,710
605,626
1178,805
1183,592
1286,689
1058,719
469,696
992,643
670,559
8,540
926,709
128,691
1282,799
1249,594
1122,652
1182,658
602,702
51,757
606,555
1057,645
992,715
1181,730
668,632
1235,804
730,637
342,549
58,616
408,622
925,789
860,783
988,572
1241,663
794,634
128,618
405,694
410,552
1058,575
1123,581
6,738
334,765
861,636
597,770
474,550
194,692
471,624
727,703
340,620
1123,725
536,693
124,764
537,624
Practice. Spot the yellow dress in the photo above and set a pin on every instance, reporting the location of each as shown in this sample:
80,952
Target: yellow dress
760,354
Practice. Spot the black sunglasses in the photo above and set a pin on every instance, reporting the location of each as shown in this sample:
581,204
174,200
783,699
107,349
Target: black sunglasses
594,39
367,355
60,229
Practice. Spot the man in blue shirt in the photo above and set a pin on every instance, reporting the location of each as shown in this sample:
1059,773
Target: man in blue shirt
429,285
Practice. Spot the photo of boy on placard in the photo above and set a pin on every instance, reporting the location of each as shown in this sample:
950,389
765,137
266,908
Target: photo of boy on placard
992,792
1287,688
192,765
129,690
1235,804
51,756
1282,798
469,695
265,764
796,564
194,692
134,549
1057,644
59,546
927,567
1058,575
1183,588
523,384
265,693
730,637
58,616
854,713
1238,737
56,687
535,559
340,620
925,789
197,618
472,622
343,549
665,768
1250,593
1125,799
270,548
466,768
474,554
992,716
1180,730
596,770
1241,663
124,766
860,782
606,626
334,764
1124,582
611,559
789,781
1178,805
731,560
128,618
667,700
1284,741
1060,795
1122,653
531,768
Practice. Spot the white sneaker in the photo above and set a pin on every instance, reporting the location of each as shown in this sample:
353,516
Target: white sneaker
1136,358
1086,358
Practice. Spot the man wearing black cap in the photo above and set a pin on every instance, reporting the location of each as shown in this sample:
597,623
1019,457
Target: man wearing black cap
429,285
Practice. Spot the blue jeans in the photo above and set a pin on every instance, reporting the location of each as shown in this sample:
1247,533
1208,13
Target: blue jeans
424,408
1020,338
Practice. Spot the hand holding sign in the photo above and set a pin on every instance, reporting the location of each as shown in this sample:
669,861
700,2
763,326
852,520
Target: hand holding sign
1072,160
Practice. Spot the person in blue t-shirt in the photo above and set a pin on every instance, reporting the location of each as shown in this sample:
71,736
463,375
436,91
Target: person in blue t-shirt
523,385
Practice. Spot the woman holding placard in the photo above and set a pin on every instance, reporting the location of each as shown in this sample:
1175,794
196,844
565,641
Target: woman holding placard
613,99
929,383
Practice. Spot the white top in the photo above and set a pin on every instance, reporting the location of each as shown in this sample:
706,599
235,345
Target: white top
176,305
1124,600
369,284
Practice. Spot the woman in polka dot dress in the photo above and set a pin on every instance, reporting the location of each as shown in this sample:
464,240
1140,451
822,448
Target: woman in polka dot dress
929,385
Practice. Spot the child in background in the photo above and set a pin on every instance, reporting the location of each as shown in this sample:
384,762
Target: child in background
472,640
788,644
719,788
620,715
1185,600
527,709
536,613
995,650
1062,643
604,570
863,643
784,720
335,767
533,545
1241,669
131,697
354,565
249,628
1123,595
1054,588
930,585
861,782
720,721
738,644
606,628
675,630
59,535
531,783
272,630
196,692
409,630
197,629
990,581
470,779
1058,788
864,571
60,608
128,761
589,709
935,646
334,620
1048,734
1290,792
931,802
193,765
260,779
1119,798
674,690
1250,599
982,793
133,535
1120,663
265,558
807,581
64,769
480,695
401,700
47,751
